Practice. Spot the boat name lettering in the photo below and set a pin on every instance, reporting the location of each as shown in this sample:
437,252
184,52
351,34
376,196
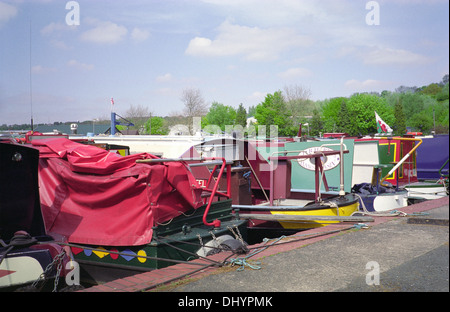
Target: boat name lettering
328,162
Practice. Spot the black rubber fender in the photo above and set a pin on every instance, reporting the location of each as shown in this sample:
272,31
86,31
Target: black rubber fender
234,245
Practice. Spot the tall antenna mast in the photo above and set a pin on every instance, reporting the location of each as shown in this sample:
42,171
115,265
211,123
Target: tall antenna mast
31,87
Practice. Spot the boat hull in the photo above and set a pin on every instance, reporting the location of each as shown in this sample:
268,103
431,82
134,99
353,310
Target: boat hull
384,201
177,241
332,209
345,210
23,267
426,191
102,264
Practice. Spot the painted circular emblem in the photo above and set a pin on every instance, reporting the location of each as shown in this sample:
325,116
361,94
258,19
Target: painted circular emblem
328,162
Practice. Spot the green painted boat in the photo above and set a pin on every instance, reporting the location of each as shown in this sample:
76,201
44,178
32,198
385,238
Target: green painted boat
180,240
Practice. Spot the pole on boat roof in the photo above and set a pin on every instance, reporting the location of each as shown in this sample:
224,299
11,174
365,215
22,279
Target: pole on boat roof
113,124
341,190
31,85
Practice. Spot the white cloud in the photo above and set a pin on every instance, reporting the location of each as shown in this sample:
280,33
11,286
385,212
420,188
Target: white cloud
257,96
57,32
367,85
254,43
52,28
60,45
105,33
7,12
78,65
139,35
295,73
164,78
388,56
39,69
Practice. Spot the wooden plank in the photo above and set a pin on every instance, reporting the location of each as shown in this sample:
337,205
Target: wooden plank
283,217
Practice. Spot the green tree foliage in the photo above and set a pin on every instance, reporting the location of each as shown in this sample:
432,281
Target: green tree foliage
443,94
422,122
156,125
330,113
344,120
399,125
220,115
316,123
432,89
441,113
362,109
355,115
415,106
273,111
423,112
241,116
412,104
251,111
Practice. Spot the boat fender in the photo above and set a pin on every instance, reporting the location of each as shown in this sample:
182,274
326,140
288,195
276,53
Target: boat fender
234,245
213,246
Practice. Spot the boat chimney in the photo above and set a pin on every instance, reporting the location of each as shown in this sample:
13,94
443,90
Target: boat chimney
299,133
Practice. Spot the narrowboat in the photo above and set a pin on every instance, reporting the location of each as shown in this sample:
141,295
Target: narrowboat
126,214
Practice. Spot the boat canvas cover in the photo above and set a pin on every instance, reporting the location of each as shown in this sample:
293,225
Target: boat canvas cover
92,196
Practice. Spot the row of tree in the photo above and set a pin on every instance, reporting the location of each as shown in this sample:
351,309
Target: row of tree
424,109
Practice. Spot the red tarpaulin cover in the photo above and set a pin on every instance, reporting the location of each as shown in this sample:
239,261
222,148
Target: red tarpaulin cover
92,196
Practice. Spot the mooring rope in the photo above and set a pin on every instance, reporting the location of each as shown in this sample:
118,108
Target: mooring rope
242,261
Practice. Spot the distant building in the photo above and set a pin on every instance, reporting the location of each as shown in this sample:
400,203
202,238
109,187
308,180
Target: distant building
82,129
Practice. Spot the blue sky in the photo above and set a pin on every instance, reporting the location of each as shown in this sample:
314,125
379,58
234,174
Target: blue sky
146,52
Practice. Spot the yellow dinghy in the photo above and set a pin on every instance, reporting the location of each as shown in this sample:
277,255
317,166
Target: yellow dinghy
291,215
